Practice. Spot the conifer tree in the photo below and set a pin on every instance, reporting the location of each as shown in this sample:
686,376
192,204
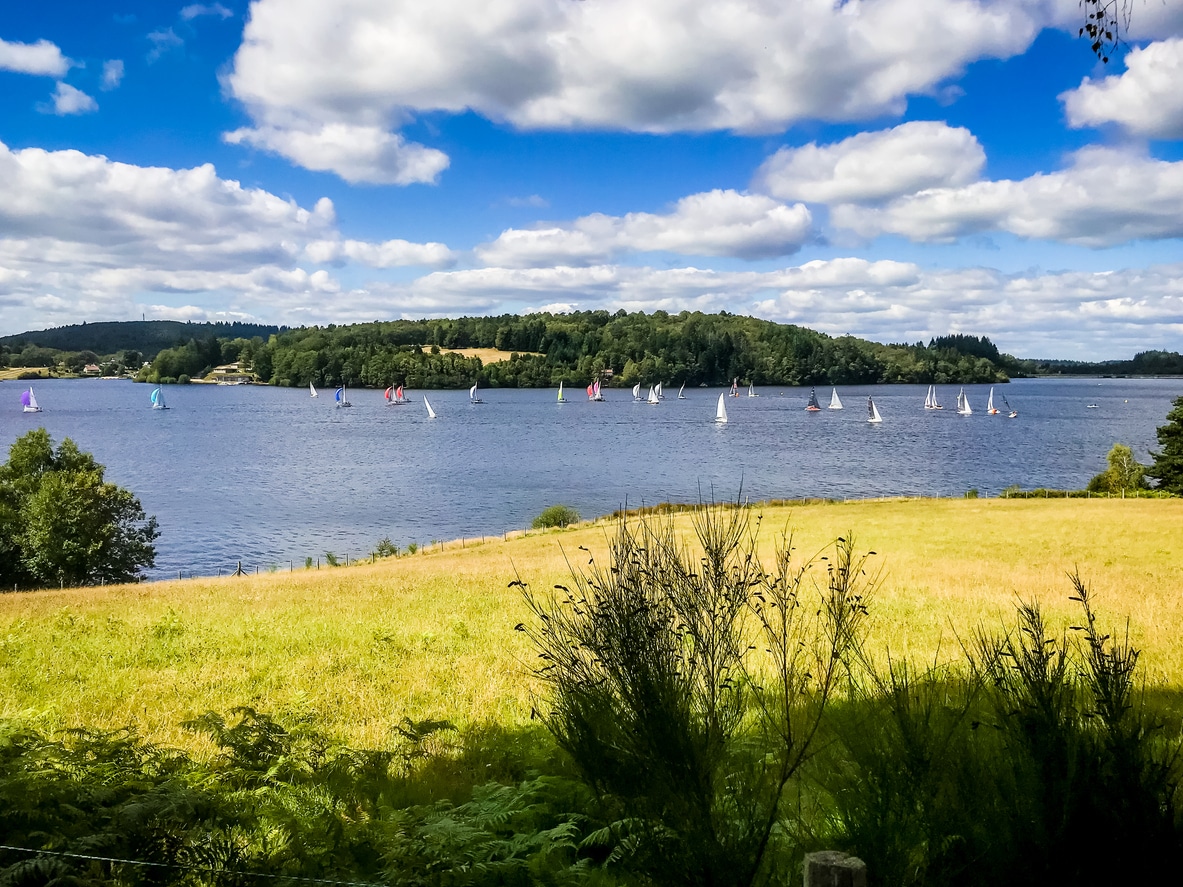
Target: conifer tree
1168,462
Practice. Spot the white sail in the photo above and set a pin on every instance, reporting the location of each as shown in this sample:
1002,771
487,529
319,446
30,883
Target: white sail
721,411
29,402
963,407
682,396
430,411
652,395
835,403
311,390
873,412
637,391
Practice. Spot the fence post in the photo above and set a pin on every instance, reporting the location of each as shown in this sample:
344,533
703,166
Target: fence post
831,868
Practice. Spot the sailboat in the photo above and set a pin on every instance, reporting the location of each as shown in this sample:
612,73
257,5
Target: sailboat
835,403
430,411
637,391
158,400
813,406
930,400
1012,413
963,408
734,387
752,390
312,390
873,412
653,398
657,388
472,398
721,411
29,400
681,395
561,398
339,396
990,408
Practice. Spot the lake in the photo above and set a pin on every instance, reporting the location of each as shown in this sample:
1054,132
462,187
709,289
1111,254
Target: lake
268,475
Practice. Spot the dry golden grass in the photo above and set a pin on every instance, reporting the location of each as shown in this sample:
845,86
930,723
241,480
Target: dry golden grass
487,355
13,372
431,635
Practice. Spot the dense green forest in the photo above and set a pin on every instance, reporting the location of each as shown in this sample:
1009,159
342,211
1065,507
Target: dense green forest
621,349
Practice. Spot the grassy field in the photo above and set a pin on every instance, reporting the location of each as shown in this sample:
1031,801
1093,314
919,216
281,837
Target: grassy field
356,649
487,355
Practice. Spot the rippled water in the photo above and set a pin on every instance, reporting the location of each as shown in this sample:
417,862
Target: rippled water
267,475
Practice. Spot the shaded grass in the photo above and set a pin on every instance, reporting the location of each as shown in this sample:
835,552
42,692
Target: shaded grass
354,650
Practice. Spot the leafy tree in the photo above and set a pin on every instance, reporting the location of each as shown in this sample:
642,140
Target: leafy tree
1167,468
556,516
62,523
1125,474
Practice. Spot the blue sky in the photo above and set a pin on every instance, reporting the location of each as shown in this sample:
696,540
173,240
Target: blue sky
893,169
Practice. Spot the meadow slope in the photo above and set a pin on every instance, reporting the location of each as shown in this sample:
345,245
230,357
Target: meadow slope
354,650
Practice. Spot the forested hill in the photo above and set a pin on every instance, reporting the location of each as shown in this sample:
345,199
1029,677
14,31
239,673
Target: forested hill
148,337
621,349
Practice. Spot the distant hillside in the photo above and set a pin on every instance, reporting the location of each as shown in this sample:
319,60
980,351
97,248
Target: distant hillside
149,337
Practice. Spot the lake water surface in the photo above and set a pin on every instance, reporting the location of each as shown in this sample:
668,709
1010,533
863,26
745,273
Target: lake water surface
266,475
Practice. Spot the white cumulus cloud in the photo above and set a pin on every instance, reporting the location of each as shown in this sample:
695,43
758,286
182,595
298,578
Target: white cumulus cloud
660,66
358,154
42,58
69,100
389,254
1105,197
1147,99
84,237
112,74
713,223
875,166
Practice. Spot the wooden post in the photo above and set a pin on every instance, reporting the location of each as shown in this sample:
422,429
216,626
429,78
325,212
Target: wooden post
831,868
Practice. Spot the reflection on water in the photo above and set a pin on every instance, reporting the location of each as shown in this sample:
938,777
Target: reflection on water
267,475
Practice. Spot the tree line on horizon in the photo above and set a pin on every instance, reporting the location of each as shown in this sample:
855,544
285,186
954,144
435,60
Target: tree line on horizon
619,348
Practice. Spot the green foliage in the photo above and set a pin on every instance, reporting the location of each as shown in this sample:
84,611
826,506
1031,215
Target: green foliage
1038,765
1167,467
687,687
385,548
576,348
1125,474
556,516
275,801
61,523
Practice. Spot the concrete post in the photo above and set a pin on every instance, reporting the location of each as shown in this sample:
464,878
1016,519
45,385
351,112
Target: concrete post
831,868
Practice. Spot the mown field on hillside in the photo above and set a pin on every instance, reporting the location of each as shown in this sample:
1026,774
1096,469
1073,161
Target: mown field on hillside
354,650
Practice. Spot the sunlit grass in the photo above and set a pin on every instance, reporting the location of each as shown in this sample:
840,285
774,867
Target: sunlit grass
354,650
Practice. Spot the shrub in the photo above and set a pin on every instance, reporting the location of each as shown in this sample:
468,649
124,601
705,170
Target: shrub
687,687
385,548
1039,764
556,516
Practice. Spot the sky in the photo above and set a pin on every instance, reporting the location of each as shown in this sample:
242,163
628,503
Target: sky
890,169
